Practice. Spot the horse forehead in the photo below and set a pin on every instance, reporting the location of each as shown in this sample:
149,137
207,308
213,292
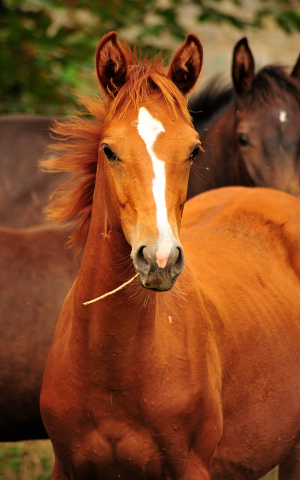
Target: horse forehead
141,121
285,120
275,116
147,122
148,127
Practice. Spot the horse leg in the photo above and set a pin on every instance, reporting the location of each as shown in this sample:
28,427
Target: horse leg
289,468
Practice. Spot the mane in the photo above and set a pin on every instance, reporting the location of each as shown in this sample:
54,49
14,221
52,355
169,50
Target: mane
78,140
210,104
270,84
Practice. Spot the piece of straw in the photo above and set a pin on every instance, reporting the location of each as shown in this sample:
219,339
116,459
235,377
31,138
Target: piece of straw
110,293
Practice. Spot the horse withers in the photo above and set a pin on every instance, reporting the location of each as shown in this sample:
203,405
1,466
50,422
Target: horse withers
255,139
190,371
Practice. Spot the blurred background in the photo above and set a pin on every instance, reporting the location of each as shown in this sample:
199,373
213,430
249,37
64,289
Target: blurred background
47,55
47,47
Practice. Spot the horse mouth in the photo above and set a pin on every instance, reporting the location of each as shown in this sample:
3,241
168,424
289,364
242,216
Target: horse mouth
154,276
158,280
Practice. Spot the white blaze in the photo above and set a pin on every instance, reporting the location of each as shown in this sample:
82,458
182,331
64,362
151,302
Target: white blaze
282,116
149,128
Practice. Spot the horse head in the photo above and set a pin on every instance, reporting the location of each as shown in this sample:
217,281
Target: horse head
148,142
267,126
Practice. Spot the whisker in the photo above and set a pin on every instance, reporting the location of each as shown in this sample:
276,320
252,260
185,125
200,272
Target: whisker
207,143
140,296
123,262
201,177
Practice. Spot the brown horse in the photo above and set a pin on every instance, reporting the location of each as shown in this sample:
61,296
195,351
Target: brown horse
190,380
24,189
256,140
37,272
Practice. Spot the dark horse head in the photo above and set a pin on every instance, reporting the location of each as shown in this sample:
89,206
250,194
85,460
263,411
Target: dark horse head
267,125
255,140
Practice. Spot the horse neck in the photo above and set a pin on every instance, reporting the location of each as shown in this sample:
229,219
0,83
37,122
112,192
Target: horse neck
106,265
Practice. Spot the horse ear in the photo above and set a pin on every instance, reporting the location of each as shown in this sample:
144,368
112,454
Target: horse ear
111,64
242,67
296,70
186,65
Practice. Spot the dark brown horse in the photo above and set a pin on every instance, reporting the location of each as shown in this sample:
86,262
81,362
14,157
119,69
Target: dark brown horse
36,273
256,140
24,188
192,371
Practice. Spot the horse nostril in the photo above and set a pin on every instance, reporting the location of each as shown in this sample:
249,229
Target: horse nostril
179,262
145,261
141,262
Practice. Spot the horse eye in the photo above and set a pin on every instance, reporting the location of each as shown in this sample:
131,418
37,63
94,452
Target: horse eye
194,154
242,139
109,154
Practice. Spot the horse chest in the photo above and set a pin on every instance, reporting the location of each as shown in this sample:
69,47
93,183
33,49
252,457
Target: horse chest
124,440
116,450
139,432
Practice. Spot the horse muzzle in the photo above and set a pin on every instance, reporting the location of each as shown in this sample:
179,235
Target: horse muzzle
158,274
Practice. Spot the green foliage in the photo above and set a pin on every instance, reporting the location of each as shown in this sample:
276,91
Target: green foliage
47,47
42,66
288,19
212,15
26,460
10,458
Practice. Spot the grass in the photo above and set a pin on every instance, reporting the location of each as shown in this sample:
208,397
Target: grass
30,460
33,460
271,475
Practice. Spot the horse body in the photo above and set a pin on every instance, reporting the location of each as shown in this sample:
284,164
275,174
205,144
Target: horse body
24,189
196,379
239,249
168,376
37,273
256,141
